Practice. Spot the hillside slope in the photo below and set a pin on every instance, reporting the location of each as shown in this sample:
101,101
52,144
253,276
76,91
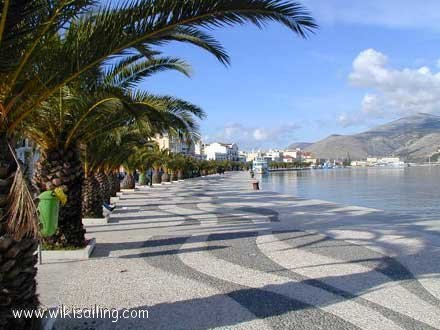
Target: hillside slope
412,138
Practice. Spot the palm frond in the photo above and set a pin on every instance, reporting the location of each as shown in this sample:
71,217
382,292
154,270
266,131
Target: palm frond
196,37
128,74
22,218
136,26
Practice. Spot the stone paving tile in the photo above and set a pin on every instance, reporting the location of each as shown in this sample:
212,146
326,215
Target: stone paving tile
212,253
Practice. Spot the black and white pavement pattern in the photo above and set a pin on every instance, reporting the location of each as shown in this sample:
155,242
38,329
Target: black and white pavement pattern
211,253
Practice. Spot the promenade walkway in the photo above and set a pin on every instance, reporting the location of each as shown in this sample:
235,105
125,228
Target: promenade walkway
212,253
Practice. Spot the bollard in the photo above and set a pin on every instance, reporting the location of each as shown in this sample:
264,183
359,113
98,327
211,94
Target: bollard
256,185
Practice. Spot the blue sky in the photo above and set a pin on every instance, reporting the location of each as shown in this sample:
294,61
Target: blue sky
370,62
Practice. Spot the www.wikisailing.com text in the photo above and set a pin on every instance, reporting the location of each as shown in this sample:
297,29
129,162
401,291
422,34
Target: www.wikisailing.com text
95,311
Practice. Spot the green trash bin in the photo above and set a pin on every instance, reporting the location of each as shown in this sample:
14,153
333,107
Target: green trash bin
48,208
142,179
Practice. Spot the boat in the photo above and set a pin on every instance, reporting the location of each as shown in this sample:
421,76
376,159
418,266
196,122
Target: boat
393,165
328,165
259,166
390,162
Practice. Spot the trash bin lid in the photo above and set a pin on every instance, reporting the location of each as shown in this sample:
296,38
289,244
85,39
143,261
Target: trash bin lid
46,195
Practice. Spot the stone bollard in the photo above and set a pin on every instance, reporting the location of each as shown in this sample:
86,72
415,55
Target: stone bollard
256,185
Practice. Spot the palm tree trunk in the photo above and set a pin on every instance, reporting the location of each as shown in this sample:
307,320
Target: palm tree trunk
110,184
17,257
104,186
180,175
174,176
128,182
115,184
156,176
59,168
91,198
165,177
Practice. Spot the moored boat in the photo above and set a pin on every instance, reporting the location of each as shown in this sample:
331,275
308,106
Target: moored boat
259,165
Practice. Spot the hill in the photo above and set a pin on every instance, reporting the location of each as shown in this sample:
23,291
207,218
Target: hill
301,145
412,138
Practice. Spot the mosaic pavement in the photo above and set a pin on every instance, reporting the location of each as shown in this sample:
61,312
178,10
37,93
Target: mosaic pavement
211,253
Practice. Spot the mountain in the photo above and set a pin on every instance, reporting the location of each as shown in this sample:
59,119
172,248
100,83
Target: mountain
412,138
301,145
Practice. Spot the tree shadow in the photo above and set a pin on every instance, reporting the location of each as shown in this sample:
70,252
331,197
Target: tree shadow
402,261
268,304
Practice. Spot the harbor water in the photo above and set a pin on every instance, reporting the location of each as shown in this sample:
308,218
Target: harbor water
411,190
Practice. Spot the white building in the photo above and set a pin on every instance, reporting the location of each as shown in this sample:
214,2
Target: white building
176,144
389,160
372,161
221,151
274,155
199,150
294,153
361,163
250,156
379,161
288,159
242,156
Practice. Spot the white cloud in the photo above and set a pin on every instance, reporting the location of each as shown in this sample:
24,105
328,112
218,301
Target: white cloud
344,119
388,13
368,68
396,92
248,137
372,105
259,134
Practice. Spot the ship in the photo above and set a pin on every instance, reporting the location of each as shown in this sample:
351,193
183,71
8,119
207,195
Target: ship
259,165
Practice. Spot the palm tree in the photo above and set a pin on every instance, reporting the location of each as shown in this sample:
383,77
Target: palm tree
36,61
158,160
165,160
92,198
143,157
58,127
180,162
176,166
140,158
203,166
82,117
105,154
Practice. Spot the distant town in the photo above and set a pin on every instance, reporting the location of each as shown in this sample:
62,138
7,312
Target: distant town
220,151
275,159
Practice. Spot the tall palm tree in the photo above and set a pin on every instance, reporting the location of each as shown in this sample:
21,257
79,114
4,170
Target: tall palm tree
103,156
174,115
158,158
36,61
179,163
74,118
58,127
106,153
166,160
172,167
141,158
